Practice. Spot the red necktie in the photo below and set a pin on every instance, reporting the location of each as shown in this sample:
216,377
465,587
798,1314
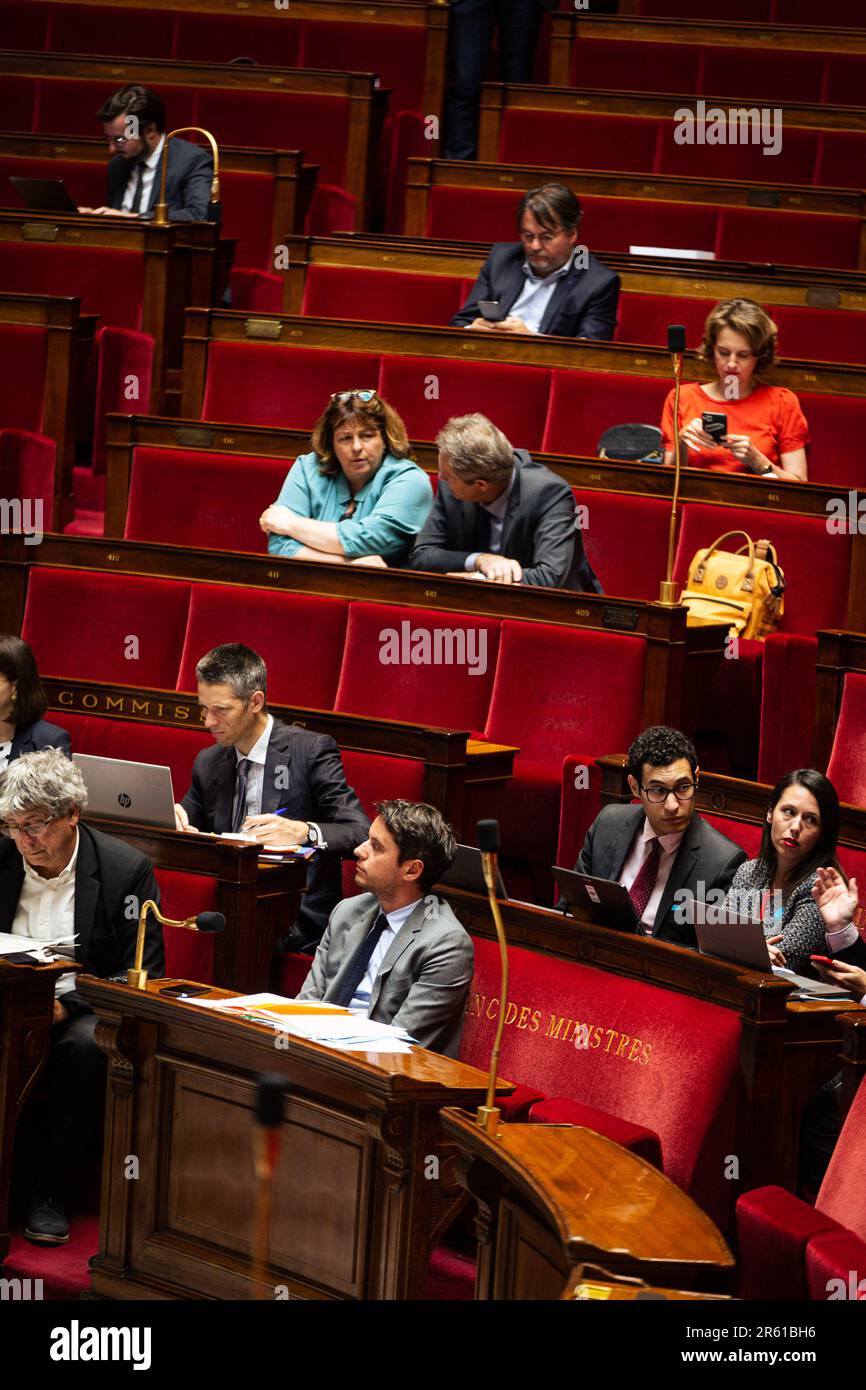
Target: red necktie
642,889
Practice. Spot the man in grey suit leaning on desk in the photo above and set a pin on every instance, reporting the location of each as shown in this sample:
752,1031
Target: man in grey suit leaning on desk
396,951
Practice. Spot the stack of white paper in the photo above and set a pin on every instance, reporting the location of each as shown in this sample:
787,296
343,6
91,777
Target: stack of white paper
40,950
314,1020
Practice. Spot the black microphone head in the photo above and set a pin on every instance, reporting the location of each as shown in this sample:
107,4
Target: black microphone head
676,337
210,921
270,1089
487,834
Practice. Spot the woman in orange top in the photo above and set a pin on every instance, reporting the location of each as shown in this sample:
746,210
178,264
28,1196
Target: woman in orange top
767,432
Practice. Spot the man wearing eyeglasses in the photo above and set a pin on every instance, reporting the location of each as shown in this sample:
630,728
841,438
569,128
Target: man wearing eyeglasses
133,121
547,282
662,847
61,881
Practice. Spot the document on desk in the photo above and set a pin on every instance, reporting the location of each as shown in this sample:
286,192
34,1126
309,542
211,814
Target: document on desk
12,945
314,1020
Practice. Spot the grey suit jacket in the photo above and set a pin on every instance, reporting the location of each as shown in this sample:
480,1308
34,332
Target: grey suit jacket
423,982
704,856
187,182
538,531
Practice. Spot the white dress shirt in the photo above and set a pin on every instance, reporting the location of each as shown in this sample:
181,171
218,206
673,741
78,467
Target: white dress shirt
531,304
838,940
5,751
148,174
637,854
46,910
396,920
496,511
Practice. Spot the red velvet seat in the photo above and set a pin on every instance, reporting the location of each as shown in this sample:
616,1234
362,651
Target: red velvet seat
629,568
318,125
842,13
794,161
69,105
585,404
629,143
428,391
102,617
248,200
24,25
643,318
822,335
555,714
490,213
27,463
787,705
788,238
746,834
218,38
23,368
281,627
847,766
845,78
835,425
85,181
381,296
617,224
445,694
637,1138
659,1061
787,1248
621,66
759,74
189,955
214,501
397,52
377,777
90,29
259,384
754,10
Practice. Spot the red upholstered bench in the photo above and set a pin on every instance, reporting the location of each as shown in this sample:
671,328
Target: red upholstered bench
426,391
182,497
791,1251
99,615
381,296
258,384
278,626
618,529
27,469
847,766
189,955
585,404
659,1073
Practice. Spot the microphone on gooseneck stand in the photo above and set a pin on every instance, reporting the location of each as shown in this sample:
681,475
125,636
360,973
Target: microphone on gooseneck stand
488,843
270,1089
676,347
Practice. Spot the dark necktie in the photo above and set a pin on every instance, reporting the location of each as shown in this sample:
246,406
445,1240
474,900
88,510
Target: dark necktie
240,803
358,965
482,531
139,188
642,889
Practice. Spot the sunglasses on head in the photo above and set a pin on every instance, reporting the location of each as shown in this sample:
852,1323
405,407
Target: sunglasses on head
365,396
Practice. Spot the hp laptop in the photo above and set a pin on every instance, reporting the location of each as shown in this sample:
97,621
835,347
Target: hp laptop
118,790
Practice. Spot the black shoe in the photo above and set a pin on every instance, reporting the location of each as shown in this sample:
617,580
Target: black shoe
46,1221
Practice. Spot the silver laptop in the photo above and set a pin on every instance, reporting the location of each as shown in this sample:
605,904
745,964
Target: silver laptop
736,937
118,790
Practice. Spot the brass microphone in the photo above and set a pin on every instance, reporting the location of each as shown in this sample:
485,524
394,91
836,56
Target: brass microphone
676,347
488,842
204,921
160,211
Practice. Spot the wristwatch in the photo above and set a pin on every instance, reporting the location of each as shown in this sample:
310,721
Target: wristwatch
314,836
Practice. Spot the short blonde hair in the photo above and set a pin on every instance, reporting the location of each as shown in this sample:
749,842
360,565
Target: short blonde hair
747,318
476,449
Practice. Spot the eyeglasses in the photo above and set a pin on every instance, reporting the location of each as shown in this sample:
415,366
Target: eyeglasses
365,396
655,794
544,237
34,829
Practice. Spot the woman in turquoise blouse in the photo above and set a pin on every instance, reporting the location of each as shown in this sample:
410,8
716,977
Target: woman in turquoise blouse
357,499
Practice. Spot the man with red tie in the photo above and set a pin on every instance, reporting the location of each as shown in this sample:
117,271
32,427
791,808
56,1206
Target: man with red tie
661,850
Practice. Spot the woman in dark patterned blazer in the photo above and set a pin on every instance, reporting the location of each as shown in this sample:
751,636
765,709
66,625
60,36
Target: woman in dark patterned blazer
800,836
22,705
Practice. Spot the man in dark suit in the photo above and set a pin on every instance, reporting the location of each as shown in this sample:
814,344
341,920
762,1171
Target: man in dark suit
134,124
547,282
499,515
662,851
396,952
61,880
281,785
471,29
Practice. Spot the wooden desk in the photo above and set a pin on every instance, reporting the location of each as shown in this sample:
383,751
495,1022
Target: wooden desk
552,1197
354,1215
259,901
590,1283
26,1013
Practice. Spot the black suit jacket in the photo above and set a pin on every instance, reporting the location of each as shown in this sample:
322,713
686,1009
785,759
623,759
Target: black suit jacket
303,775
583,304
187,183
112,880
538,531
855,954
704,856
31,738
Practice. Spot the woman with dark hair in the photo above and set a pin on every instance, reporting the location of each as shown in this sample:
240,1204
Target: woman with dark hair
766,431
22,705
800,837
357,499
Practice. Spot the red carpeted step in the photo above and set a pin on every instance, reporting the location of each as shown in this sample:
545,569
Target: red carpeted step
449,1275
89,489
85,523
62,1268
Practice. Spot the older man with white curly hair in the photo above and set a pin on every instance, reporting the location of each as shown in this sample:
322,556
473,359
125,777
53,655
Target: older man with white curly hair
62,880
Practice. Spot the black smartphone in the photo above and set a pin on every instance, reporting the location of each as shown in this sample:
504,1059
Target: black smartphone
490,310
715,423
185,991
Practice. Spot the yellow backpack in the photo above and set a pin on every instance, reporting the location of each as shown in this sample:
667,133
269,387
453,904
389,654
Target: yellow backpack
745,590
